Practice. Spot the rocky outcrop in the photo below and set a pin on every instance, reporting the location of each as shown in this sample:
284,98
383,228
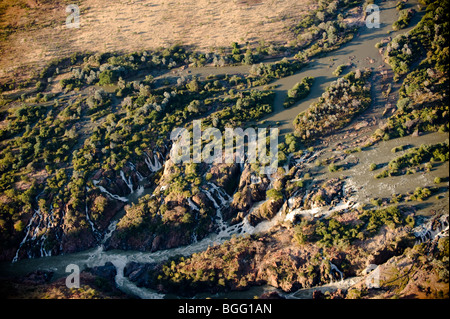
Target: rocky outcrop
251,189
140,273
96,283
225,176
266,211
114,184
271,295
37,277
241,263
107,271
329,193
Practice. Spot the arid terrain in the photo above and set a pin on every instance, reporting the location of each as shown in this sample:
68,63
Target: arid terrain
34,31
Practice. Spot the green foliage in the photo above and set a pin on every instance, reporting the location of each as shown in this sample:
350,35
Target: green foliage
107,77
339,69
273,194
404,19
343,99
375,219
333,168
299,91
422,154
421,193
264,73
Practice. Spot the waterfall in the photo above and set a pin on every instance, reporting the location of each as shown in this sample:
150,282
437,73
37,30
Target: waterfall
94,230
211,198
27,232
153,167
111,228
336,269
140,190
138,174
255,179
31,235
103,190
128,182
192,205
425,232
48,224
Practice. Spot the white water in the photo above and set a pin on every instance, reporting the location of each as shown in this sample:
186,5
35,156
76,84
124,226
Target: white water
138,174
127,181
192,205
425,232
94,230
119,259
155,166
306,293
336,269
324,211
27,232
103,190
37,234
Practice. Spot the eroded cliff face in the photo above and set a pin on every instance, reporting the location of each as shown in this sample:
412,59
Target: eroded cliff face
244,262
95,283
182,208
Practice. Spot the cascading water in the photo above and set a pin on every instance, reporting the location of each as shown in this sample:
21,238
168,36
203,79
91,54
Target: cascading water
138,174
36,235
103,190
94,230
127,181
27,233
333,267
425,232
155,166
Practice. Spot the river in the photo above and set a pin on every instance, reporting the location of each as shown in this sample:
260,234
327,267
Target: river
360,51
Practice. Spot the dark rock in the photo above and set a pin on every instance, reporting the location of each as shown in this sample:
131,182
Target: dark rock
317,294
271,295
107,271
38,277
141,274
265,212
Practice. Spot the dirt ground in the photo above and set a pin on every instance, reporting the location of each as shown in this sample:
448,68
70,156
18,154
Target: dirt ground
34,32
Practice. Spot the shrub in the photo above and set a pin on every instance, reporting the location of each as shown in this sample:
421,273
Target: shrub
339,69
274,194
343,99
333,167
299,91
107,77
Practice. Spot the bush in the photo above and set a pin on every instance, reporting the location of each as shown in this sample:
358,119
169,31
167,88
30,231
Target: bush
375,219
299,91
107,77
333,168
343,99
274,194
403,20
339,69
